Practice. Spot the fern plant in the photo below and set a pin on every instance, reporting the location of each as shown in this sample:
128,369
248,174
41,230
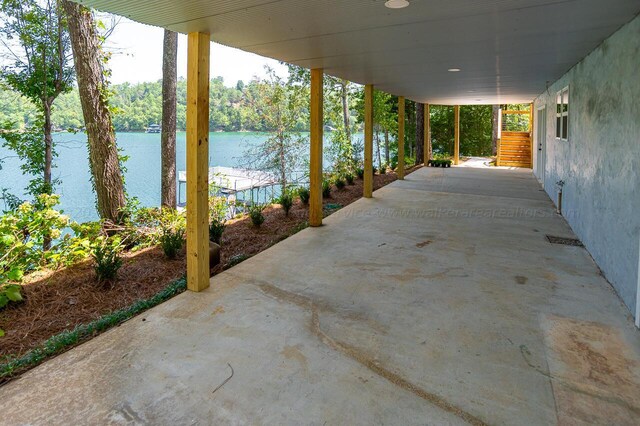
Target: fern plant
106,255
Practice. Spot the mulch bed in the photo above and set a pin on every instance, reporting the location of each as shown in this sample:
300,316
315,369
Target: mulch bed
60,300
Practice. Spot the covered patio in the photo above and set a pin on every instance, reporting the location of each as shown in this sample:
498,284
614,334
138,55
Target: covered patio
438,301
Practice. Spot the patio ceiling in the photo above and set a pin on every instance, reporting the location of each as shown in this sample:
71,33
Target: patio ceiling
507,50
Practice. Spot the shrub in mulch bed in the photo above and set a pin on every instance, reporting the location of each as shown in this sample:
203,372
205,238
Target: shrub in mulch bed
65,307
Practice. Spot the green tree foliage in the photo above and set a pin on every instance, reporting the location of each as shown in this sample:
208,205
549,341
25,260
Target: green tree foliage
475,129
138,105
385,124
37,66
281,107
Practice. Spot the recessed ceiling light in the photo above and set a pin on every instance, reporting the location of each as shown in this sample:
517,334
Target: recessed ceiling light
454,70
471,91
396,4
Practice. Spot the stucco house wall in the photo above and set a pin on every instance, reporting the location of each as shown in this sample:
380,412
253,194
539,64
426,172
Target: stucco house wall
600,161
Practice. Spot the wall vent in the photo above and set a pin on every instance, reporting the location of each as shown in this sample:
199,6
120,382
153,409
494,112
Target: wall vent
564,241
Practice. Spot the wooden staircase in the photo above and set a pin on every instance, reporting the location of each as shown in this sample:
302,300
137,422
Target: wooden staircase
514,150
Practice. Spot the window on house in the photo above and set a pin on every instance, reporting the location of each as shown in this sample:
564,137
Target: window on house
562,114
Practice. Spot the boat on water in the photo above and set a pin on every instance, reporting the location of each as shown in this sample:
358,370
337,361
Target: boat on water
153,128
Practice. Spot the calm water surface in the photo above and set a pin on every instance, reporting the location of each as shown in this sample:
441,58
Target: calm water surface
143,167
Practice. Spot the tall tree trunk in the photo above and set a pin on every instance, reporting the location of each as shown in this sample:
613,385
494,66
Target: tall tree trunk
419,133
345,108
48,149
168,137
387,150
103,152
496,123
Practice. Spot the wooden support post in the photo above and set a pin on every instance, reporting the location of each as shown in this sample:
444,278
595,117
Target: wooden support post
531,133
427,136
368,141
315,159
400,169
198,161
456,146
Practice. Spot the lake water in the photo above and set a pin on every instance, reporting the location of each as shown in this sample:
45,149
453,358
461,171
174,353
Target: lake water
143,167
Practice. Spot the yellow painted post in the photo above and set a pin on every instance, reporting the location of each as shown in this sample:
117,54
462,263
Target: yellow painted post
315,159
531,133
198,161
400,169
427,136
456,146
368,141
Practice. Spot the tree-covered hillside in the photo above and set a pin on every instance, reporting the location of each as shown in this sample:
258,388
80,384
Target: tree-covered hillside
138,105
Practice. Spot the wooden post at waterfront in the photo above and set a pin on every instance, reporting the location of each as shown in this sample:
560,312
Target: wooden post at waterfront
368,141
315,158
456,145
198,161
427,136
400,168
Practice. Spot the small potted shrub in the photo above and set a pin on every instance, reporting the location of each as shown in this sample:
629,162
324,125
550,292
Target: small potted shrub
304,195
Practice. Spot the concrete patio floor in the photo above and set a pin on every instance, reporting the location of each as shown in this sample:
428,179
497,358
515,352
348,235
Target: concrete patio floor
439,301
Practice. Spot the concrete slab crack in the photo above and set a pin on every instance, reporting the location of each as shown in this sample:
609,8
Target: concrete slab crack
361,357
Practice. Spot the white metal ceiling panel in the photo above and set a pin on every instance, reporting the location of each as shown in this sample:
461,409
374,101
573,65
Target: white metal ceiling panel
508,50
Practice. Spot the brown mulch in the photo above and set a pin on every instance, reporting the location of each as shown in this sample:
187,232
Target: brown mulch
60,300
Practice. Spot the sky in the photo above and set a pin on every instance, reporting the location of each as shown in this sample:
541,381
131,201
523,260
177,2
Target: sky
137,57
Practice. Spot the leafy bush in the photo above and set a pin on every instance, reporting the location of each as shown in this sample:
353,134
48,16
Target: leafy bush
106,255
286,201
326,188
339,182
172,228
374,169
255,213
393,164
304,195
9,293
23,232
349,178
383,169
172,241
216,229
218,209
360,173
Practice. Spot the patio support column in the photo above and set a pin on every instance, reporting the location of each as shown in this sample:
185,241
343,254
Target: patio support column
315,158
400,169
427,136
456,146
368,141
198,161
